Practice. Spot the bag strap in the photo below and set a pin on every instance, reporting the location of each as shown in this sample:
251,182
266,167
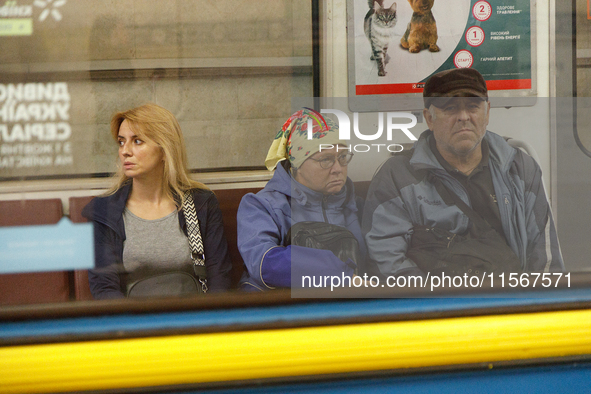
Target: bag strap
451,196
195,241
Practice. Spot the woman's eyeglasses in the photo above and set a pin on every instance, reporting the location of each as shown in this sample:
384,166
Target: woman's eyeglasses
328,162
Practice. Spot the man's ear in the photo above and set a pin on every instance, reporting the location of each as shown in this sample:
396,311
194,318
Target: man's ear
487,112
428,117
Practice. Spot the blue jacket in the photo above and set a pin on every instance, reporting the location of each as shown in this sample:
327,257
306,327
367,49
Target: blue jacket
106,281
265,218
398,199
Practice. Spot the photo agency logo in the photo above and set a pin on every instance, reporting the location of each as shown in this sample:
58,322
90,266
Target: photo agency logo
392,125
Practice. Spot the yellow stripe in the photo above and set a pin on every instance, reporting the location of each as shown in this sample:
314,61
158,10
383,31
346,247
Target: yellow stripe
292,352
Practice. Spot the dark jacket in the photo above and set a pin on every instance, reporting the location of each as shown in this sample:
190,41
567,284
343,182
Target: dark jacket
109,234
265,218
397,200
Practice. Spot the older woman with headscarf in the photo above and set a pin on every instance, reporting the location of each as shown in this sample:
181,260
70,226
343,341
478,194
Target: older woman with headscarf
310,184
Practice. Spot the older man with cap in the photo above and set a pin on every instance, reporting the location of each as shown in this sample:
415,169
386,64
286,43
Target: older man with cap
499,185
310,184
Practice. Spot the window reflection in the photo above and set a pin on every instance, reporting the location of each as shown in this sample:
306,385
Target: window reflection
228,70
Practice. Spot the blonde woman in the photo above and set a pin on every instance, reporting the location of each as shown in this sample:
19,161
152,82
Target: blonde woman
140,228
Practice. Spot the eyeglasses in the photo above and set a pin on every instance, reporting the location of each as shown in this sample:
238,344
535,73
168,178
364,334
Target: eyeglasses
328,162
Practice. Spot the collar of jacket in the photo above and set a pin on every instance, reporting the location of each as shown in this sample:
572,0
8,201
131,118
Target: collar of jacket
500,152
284,183
109,209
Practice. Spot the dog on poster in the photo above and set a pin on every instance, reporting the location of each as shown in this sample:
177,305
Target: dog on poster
421,32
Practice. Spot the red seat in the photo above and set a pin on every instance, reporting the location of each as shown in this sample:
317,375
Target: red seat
30,212
81,288
38,287
361,188
77,204
229,200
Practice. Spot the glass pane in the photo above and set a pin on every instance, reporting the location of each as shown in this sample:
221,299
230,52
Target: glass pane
226,69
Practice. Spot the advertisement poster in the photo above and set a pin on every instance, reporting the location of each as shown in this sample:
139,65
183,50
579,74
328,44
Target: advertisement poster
428,36
35,132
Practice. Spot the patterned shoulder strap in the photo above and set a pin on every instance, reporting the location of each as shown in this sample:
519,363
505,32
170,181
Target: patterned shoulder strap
195,241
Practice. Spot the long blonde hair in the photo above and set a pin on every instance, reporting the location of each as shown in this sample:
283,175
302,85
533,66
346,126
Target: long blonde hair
155,123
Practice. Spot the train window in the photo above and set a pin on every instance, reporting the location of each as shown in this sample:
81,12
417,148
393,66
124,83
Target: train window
232,72
226,69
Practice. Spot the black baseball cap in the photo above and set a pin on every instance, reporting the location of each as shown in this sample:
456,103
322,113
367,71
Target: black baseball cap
457,82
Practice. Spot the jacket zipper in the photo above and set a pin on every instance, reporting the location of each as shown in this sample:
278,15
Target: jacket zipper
324,201
511,186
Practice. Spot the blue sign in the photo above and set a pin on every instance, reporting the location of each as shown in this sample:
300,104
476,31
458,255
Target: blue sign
60,247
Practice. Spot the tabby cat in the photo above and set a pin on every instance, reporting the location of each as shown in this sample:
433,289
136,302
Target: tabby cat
379,28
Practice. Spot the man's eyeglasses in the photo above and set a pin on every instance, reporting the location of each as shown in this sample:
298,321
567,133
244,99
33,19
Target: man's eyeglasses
328,162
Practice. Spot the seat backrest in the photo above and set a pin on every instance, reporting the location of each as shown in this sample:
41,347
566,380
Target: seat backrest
30,212
229,200
361,188
81,287
38,287
77,204
524,146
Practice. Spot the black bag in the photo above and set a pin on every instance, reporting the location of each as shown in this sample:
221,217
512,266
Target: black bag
481,250
165,285
326,236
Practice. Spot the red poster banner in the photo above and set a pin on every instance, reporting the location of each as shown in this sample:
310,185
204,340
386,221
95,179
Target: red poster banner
506,84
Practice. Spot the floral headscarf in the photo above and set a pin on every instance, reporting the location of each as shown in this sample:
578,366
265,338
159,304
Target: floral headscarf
291,142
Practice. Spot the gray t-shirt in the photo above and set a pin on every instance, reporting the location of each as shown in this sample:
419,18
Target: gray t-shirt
154,247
